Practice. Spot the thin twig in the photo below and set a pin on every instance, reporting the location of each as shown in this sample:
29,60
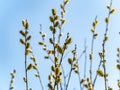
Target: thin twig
94,81
92,47
103,49
40,81
79,77
64,47
69,78
74,55
26,76
85,63
64,76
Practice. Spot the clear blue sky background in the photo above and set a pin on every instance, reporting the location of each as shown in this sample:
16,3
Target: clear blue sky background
80,15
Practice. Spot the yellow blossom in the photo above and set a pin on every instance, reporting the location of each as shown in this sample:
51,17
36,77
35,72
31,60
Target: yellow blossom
51,18
41,43
119,84
107,20
82,81
118,66
70,61
25,24
54,11
91,56
69,41
100,73
92,30
22,41
118,49
37,75
76,71
112,11
108,6
30,66
106,38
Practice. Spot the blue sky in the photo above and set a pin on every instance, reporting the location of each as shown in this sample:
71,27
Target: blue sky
80,15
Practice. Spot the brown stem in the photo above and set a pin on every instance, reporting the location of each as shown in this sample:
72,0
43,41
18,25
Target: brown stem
26,76
63,76
97,74
103,50
69,78
92,46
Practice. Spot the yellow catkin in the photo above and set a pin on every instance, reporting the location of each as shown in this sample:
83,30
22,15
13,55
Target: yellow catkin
28,45
76,71
85,85
92,30
107,20
28,51
51,40
69,41
106,38
66,2
54,11
56,59
12,87
51,28
29,37
37,75
33,58
118,54
100,54
104,61
56,17
30,89
22,33
41,43
53,68
43,35
56,24
118,66
76,65
59,49
63,21
118,49
44,48
51,18
62,13
94,24
61,34
100,73
108,7
59,80
96,21
119,83
34,67
49,51
24,79
22,41
82,81
57,70
74,51
30,66
95,35
12,81
88,79
50,77
109,88
70,61
91,56
25,24
112,11
46,57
